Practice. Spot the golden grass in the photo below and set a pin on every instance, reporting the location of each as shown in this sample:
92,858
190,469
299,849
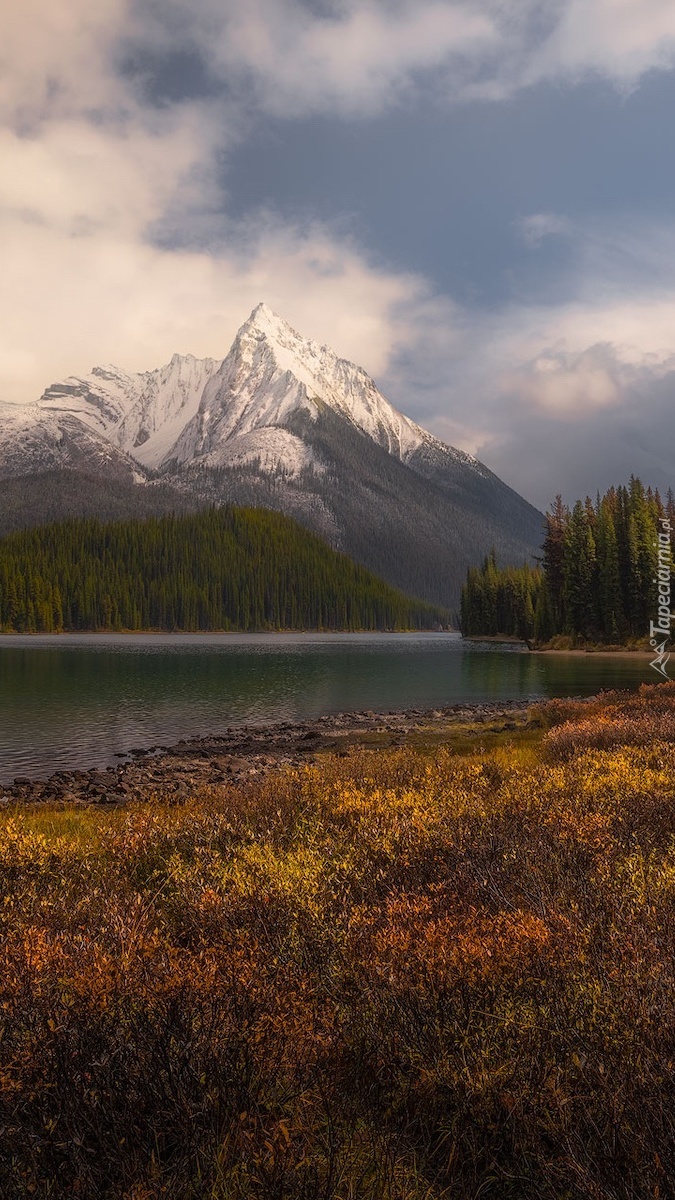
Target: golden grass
417,972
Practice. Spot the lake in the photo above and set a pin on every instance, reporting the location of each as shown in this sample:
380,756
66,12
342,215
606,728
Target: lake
78,700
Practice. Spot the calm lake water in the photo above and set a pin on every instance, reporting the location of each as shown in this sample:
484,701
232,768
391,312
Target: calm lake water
76,700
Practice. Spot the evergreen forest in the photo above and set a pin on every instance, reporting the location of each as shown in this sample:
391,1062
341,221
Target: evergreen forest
224,569
596,579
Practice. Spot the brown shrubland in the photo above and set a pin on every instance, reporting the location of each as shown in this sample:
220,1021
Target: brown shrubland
396,975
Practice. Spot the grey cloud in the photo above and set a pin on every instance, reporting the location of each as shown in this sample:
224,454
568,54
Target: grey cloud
541,455
358,57
570,410
569,422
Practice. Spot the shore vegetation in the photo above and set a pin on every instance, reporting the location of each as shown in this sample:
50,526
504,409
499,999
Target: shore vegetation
426,972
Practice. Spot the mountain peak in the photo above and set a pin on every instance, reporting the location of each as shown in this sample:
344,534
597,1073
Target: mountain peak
263,320
277,422
262,309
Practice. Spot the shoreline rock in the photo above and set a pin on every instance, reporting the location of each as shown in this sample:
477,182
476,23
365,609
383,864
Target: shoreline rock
239,754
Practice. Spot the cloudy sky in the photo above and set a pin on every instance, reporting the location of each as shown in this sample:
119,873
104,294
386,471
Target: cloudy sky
473,201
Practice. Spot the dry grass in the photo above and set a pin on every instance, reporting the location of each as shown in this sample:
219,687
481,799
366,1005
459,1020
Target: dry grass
396,976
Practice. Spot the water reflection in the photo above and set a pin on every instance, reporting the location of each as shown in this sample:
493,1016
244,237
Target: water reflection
78,700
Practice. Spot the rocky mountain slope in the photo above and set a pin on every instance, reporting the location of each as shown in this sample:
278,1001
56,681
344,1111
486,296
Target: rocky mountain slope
282,422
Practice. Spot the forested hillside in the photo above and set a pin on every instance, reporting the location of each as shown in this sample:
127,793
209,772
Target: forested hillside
27,501
229,569
598,576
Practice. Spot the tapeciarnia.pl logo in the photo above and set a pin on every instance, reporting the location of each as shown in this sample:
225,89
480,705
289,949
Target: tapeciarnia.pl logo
660,629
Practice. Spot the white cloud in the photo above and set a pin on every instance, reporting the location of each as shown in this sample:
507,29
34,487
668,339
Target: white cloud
619,39
538,226
566,396
357,57
357,61
54,58
77,177
106,296
569,384
89,172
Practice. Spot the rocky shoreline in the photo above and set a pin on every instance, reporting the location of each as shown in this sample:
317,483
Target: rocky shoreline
245,752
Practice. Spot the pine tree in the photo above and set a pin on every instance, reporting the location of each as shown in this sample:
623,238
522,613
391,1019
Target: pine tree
610,605
579,599
553,560
543,625
642,557
224,569
598,576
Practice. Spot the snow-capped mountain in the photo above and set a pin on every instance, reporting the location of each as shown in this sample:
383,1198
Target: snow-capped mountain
141,415
285,422
37,438
219,414
272,373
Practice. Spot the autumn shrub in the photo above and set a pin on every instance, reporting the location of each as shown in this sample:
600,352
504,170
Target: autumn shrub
391,976
613,719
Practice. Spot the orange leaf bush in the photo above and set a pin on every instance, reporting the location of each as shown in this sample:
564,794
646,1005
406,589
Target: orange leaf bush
393,976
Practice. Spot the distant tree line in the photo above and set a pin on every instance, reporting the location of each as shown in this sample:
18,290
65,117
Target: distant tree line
595,580
228,568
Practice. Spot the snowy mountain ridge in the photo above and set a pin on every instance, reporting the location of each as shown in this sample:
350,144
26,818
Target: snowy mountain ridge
141,414
219,414
281,422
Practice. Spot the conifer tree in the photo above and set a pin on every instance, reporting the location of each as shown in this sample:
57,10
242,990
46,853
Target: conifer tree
610,605
225,569
598,572
579,573
553,560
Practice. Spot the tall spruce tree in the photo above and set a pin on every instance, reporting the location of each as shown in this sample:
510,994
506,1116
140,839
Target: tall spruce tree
610,603
553,559
598,571
579,599
641,555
